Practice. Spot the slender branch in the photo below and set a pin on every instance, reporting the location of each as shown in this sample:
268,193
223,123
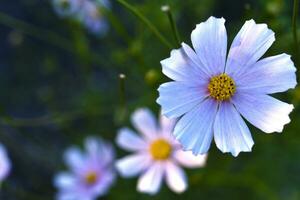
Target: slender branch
294,25
166,9
140,16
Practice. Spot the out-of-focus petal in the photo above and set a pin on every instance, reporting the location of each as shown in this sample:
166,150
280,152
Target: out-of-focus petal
188,159
133,165
210,42
64,180
270,75
130,141
5,164
252,41
264,112
144,121
195,129
151,180
182,65
231,133
175,178
177,98
75,159
166,126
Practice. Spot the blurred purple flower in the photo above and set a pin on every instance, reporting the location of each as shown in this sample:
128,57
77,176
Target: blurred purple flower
211,93
157,155
91,173
5,164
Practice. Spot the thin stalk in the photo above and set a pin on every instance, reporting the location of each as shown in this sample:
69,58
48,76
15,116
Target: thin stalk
294,25
122,78
141,17
166,9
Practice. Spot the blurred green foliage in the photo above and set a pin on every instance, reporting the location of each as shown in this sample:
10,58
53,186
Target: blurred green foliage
60,83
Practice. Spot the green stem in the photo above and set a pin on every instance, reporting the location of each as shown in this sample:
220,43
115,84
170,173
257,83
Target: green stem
122,78
146,22
167,10
294,25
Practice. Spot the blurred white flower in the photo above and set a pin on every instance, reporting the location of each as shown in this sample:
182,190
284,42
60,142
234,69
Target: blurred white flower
85,11
157,155
5,164
91,172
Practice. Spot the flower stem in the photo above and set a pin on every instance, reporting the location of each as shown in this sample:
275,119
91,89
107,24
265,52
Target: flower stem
146,22
167,10
294,25
122,78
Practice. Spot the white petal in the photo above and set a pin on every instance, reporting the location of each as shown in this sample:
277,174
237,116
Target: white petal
175,178
144,121
133,164
264,76
130,141
182,66
166,126
151,180
177,98
263,111
231,133
75,159
188,159
5,164
210,42
252,41
64,180
195,129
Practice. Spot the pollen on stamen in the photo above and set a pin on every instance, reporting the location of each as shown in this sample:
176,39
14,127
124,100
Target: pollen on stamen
91,178
160,149
221,87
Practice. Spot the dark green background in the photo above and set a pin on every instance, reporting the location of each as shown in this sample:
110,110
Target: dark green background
59,84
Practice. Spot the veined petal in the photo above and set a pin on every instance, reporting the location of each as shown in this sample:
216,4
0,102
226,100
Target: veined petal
177,98
130,141
263,111
133,164
144,121
195,129
181,66
175,178
270,75
188,159
231,133
252,41
151,180
210,42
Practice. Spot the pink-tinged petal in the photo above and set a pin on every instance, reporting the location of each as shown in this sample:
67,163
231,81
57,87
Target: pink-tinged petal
182,66
133,165
151,180
210,42
130,141
175,178
188,159
270,75
5,164
177,98
231,133
195,129
65,181
252,41
166,126
101,188
263,111
144,121
75,159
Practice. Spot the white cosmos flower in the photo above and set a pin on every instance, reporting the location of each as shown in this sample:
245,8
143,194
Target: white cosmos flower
210,93
91,172
156,154
5,164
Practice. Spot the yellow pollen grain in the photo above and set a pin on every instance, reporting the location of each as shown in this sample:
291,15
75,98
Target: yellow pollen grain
160,149
221,87
91,178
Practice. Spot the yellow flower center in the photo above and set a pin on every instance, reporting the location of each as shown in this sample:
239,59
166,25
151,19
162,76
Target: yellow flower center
91,178
160,149
221,87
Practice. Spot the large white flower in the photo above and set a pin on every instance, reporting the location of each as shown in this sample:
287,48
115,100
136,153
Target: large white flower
91,173
210,92
157,155
5,164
